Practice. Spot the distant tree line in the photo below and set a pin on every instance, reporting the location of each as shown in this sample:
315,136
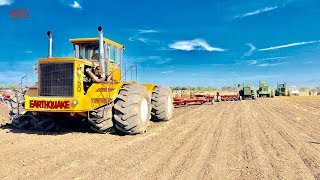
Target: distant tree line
233,88
9,86
310,89
205,88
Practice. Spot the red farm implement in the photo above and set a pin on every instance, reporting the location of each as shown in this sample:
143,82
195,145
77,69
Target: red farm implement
193,99
229,97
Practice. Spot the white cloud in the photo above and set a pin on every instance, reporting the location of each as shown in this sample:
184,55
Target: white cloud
196,44
165,49
256,61
167,72
28,52
142,39
271,64
156,59
163,61
258,11
134,38
288,45
138,36
76,5
145,31
308,62
6,2
251,50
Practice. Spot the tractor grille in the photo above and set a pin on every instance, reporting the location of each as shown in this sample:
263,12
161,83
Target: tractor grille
56,79
247,91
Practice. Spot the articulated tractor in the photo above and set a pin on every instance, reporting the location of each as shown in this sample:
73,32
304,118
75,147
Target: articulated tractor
264,90
282,90
247,92
90,87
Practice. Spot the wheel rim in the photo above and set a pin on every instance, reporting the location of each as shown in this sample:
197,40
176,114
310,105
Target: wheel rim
144,110
169,105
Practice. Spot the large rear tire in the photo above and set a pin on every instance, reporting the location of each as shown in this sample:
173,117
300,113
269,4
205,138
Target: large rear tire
132,109
162,104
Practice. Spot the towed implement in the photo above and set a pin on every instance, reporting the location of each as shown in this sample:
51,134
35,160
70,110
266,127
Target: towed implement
227,97
90,87
193,99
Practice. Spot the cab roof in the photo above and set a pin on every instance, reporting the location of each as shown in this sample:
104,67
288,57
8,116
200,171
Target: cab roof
95,40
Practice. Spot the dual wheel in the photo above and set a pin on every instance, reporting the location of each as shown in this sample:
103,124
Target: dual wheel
133,108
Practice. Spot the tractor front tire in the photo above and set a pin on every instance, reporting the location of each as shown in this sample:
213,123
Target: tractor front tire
162,104
132,109
255,96
42,122
272,94
102,121
21,122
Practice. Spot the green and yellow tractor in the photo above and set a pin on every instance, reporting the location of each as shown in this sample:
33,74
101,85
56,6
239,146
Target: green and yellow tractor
247,92
264,90
282,90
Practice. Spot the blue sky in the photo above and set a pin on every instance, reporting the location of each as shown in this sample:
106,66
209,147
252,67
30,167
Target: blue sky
204,42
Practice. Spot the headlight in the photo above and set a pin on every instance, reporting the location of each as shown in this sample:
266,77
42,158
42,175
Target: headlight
74,102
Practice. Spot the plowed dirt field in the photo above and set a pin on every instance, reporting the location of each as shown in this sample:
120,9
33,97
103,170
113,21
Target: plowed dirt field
254,139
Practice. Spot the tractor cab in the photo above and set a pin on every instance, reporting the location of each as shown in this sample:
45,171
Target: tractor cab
281,87
100,52
88,49
282,90
263,86
264,90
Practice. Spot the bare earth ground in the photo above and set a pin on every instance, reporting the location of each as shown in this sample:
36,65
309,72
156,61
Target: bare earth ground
254,139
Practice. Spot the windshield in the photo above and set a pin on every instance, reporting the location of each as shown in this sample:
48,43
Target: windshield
90,51
87,51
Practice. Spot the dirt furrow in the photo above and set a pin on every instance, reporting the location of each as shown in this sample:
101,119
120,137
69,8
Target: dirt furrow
284,150
307,124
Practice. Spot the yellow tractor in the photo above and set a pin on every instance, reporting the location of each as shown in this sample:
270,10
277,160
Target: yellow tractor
90,86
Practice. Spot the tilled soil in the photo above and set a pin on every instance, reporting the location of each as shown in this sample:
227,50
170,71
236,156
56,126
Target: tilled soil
253,139
4,113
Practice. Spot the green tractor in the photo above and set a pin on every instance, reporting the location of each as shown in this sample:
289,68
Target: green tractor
247,92
282,90
264,90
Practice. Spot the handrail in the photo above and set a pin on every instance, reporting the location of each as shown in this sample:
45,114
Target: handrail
130,70
26,77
